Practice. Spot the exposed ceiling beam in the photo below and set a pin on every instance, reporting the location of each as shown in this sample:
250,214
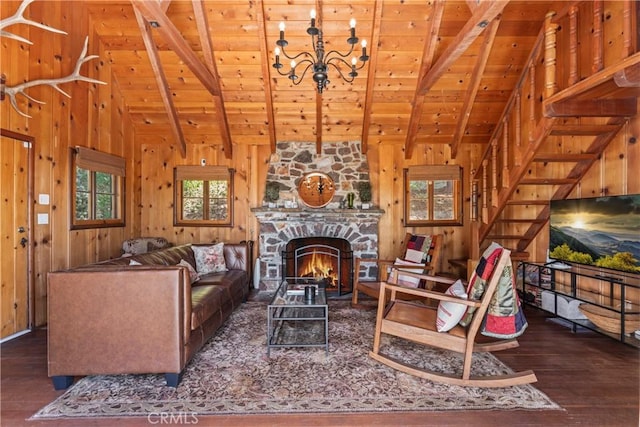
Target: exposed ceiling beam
207,50
482,16
428,54
373,60
161,80
164,5
474,84
266,72
153,13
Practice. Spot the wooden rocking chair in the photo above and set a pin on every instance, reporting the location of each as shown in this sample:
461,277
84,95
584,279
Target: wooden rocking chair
383,268
417,322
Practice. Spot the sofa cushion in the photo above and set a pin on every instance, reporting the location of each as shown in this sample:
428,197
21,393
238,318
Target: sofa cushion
210,259
206,301
234,282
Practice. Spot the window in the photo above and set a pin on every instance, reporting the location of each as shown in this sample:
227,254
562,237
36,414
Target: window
433,195
203,196
98,189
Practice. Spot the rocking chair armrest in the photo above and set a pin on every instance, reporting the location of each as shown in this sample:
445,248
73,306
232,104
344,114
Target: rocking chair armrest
405,271
374,261
398,289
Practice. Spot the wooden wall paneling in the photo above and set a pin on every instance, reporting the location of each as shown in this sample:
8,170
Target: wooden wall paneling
241,210
614,164
631,135
585,35
124,147
388,245
134,179
255,192
157,191
59,186
42,65
80,134
112,134
613,30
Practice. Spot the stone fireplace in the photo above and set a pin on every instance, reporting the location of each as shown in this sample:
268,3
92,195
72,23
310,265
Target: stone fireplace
280,228
327,259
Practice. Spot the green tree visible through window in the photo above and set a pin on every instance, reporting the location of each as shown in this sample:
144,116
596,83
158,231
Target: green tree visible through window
197,207
433,195
203,196
98,189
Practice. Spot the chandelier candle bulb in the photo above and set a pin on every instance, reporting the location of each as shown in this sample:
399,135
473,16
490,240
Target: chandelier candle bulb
313,18
282,42
277,63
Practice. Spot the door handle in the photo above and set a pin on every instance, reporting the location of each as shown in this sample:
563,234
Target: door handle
23,242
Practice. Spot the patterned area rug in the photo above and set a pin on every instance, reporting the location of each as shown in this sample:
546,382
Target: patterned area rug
233,375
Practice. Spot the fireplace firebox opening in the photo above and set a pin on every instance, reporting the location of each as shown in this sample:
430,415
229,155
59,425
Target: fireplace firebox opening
327,259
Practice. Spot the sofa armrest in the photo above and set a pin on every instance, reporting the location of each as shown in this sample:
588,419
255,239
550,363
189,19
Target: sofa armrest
113,320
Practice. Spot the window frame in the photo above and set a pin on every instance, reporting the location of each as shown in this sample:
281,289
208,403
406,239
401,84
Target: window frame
95,162
431,173
205,174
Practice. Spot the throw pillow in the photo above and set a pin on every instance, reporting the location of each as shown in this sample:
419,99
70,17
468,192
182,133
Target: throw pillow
450,313
404,279
209,259
418,248
193,274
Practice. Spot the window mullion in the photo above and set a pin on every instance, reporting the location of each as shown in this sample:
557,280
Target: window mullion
430,200
92,195
206,201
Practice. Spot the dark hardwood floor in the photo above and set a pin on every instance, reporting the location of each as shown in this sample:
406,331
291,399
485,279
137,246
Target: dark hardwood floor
594,378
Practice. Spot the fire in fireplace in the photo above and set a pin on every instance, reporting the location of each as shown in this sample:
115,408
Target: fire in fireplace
327,259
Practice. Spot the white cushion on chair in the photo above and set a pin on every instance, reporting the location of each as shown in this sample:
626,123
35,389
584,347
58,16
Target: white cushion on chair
450,313
405,280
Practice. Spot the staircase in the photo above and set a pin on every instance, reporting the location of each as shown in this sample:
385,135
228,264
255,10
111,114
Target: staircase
558,123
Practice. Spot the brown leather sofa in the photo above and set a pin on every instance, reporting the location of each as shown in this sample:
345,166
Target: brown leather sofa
113,318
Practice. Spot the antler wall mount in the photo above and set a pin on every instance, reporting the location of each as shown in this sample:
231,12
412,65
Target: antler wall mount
13,91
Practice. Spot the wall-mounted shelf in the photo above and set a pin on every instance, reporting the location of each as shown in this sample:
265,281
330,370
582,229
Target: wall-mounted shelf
613,297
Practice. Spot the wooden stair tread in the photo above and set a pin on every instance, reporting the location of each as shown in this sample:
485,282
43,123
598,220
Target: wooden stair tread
547,181
506,237
527,202
522,221
583,129
564,157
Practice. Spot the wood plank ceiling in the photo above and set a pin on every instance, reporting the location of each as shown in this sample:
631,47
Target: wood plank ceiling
200,72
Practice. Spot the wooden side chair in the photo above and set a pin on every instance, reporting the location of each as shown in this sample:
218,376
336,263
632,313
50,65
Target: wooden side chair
420,254
420,323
